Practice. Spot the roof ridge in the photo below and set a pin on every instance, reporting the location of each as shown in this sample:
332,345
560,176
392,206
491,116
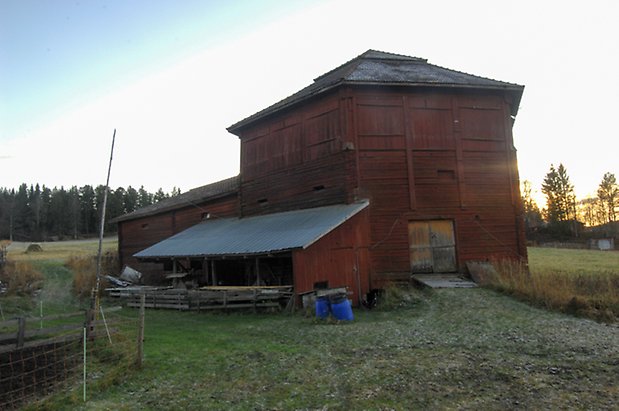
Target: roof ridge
385,55
475,75
370,54
340,67
202,193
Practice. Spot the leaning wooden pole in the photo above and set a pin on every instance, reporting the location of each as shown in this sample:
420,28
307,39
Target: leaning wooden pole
102,227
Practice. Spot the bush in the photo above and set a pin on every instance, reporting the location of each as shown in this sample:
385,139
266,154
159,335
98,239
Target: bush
20,278
85,272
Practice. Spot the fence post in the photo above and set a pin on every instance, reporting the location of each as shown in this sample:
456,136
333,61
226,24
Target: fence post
140,356
89,324
84,372
21,331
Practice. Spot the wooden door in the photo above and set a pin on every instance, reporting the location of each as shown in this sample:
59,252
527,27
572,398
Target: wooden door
432,246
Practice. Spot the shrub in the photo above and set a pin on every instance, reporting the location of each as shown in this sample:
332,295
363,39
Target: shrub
85,272
20,278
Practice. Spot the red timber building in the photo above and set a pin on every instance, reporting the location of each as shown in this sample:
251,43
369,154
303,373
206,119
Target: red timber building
400,166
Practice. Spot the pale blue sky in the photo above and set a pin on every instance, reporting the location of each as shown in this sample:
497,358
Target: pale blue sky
172,75
60,53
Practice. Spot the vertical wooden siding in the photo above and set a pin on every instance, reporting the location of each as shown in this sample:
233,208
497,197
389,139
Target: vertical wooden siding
429,155
298,159
340,257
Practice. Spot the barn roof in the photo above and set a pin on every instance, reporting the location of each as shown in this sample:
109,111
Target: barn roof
199,194
263,234
380,68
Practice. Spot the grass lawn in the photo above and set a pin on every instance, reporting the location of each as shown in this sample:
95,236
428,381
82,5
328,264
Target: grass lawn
463,348
441,349
543,259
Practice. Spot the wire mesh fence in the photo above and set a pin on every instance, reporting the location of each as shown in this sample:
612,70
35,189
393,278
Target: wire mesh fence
71,353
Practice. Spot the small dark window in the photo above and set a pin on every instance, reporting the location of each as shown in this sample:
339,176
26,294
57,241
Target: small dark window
446,174
206,215
263,201
319,187
144,226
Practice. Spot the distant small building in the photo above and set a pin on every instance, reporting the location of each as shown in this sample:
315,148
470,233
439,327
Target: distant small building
604,244
408,166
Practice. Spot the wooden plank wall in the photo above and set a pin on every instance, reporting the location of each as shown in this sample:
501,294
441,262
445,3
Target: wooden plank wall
340,257
298,159
432,155
136,235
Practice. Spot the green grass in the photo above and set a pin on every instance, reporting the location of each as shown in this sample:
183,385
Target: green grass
465,348
573,261
446,349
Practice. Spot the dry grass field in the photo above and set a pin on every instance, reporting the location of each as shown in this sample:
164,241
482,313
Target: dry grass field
59,250
578,282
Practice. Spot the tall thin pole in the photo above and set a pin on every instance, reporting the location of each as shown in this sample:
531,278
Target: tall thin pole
102,228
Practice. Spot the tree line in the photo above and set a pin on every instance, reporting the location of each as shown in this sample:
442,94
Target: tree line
564,213
40,213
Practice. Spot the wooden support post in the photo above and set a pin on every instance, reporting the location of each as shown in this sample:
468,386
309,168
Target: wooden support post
213,272
255,299
140,356
21,331
205,270
258,271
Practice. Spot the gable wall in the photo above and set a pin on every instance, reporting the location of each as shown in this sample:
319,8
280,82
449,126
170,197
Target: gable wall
437,155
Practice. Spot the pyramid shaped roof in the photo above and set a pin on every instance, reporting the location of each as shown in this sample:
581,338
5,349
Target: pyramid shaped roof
380,68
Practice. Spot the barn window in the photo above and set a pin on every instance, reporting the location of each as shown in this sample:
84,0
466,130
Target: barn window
446,174
319,187
206,215
263,201
145,226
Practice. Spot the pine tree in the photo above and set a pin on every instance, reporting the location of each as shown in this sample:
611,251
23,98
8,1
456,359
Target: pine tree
144,198
608,194
560,197
131,199
160,195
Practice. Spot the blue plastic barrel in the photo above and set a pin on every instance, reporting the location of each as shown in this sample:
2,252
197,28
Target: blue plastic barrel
341,308
322,307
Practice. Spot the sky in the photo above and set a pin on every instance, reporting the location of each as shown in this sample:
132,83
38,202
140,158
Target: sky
170,76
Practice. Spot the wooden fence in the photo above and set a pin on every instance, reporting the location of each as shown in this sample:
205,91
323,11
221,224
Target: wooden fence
207,298
38,354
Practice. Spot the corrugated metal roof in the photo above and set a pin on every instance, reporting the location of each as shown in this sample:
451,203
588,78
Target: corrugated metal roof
254,235
380,68
191,197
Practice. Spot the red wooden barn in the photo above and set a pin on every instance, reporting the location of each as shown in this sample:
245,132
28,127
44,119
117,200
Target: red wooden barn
404,167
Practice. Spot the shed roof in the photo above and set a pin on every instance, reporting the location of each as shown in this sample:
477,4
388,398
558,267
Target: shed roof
381,68
196,195
263,234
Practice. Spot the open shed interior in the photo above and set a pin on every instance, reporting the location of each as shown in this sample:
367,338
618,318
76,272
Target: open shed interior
264,270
